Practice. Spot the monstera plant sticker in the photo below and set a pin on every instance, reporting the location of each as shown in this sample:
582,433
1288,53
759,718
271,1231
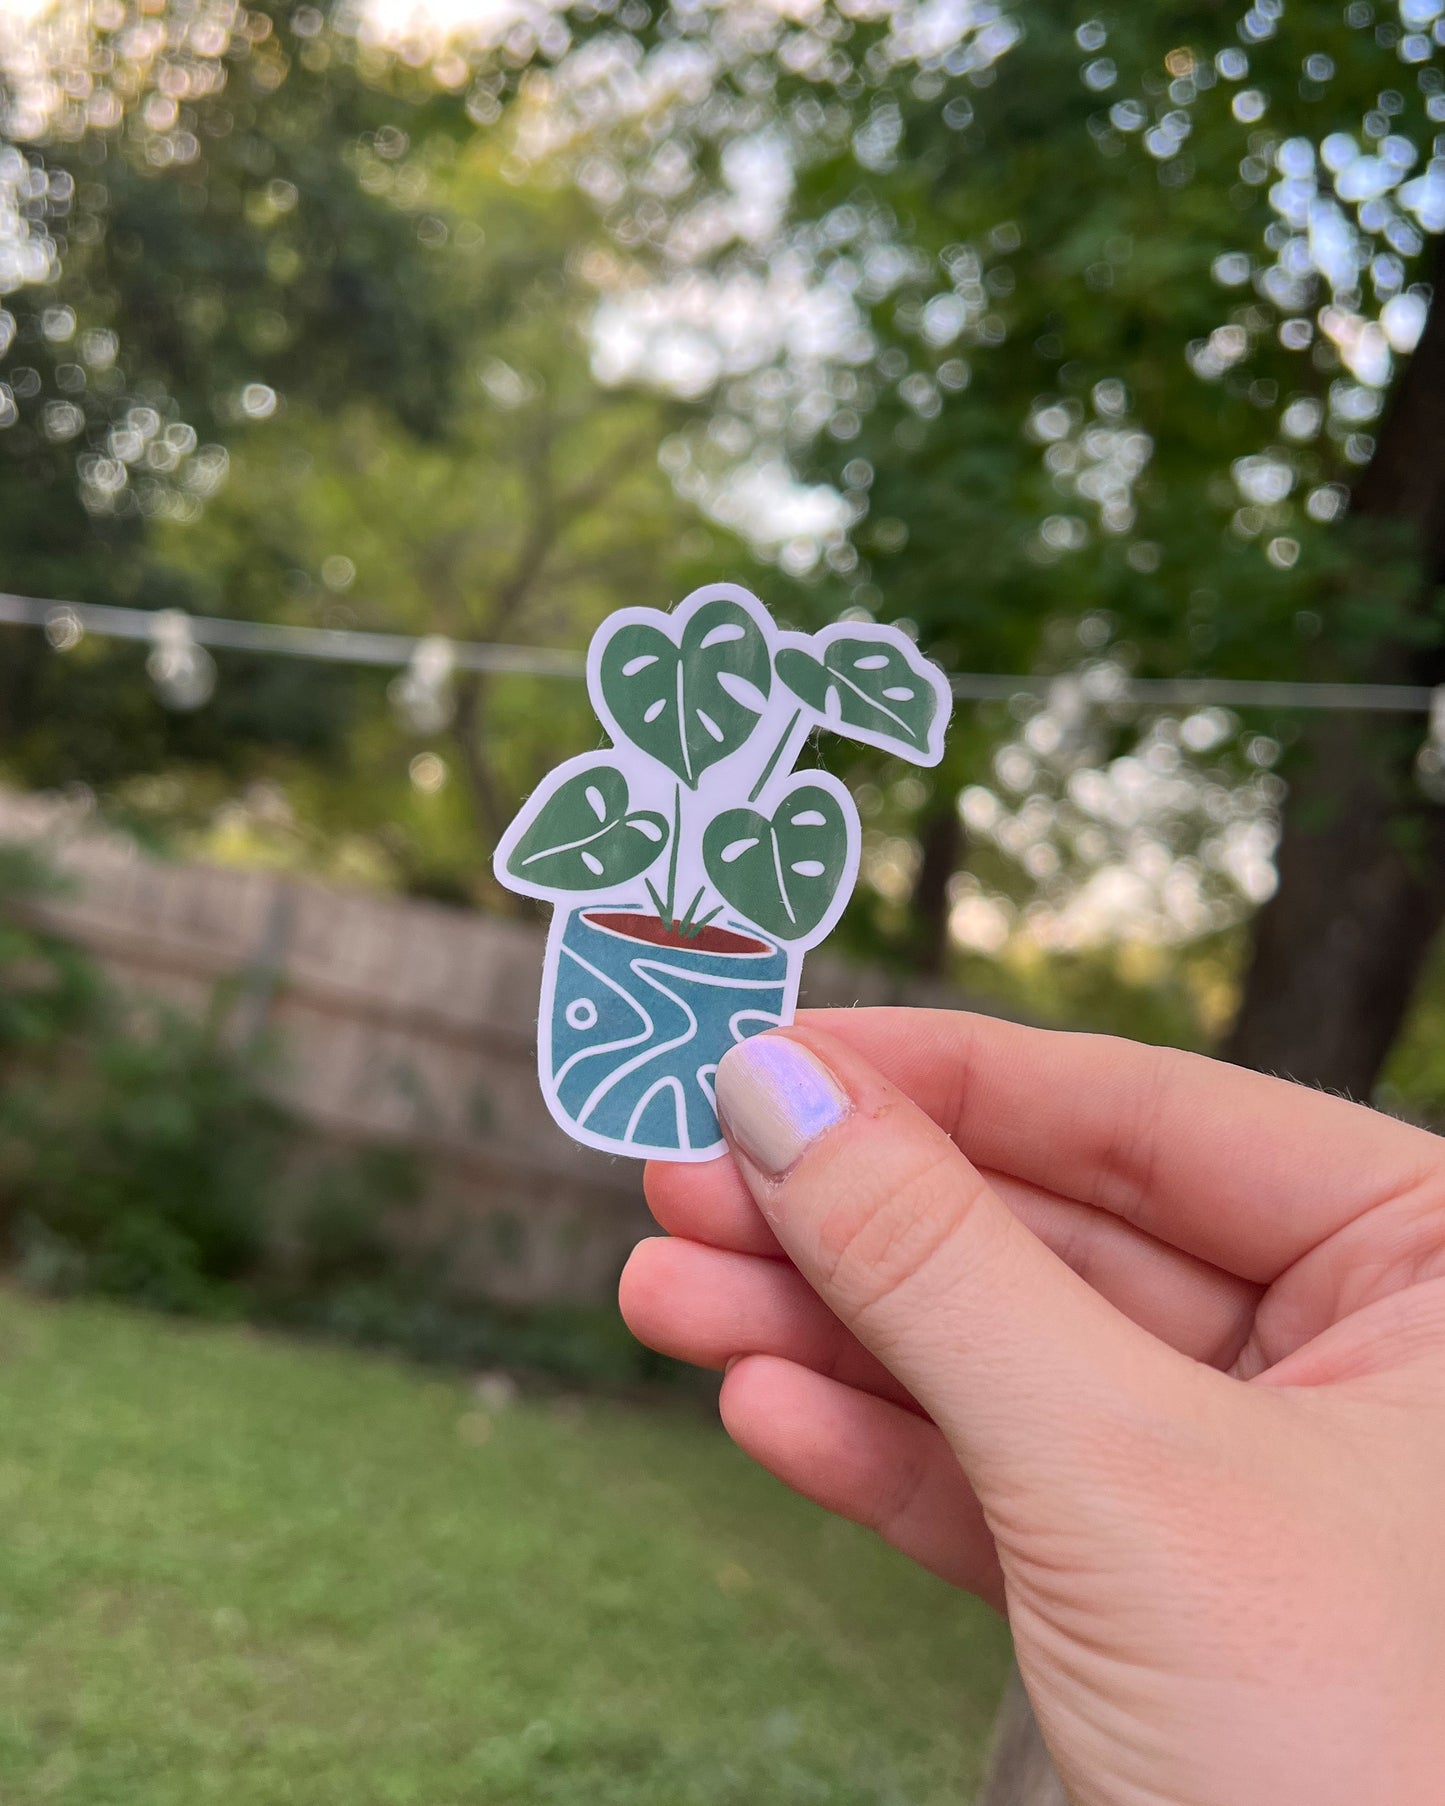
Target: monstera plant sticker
690,867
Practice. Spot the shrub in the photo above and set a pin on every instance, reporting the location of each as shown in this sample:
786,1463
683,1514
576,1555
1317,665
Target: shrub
48,987
147,1167
143,1156
141,1153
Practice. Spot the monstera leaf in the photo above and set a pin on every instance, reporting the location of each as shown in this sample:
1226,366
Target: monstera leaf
881,692
583,836
688,701
780,872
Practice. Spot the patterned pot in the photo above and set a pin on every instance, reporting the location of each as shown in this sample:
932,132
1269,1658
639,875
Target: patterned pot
637,1020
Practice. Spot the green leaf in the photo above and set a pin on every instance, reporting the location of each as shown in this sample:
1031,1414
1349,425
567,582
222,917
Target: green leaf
585,838
688,703
781,872
873,689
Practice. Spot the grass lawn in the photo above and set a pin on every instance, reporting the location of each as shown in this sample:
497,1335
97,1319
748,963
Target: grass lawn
236,1569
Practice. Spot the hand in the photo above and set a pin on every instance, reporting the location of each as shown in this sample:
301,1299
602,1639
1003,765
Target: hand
1146,1350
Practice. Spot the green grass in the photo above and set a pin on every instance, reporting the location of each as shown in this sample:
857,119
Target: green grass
237,1569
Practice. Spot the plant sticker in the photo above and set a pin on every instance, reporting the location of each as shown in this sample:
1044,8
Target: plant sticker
689,866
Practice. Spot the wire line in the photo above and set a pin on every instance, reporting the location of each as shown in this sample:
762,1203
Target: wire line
355,646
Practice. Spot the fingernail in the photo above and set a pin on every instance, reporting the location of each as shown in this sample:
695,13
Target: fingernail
775,1100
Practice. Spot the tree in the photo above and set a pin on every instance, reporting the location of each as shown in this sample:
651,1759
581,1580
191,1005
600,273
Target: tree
538,510
304,305
1362,865
1132,291
190,228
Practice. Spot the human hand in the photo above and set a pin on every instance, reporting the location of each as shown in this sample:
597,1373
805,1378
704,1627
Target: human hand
1146,1350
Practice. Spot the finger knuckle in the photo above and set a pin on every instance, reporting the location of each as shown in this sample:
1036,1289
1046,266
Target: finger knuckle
898,1501
1127,1156
887,1237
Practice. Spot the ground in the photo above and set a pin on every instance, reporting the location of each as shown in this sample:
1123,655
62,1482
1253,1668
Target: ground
238,1569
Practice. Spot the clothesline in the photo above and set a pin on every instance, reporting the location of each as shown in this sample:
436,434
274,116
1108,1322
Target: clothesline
67,622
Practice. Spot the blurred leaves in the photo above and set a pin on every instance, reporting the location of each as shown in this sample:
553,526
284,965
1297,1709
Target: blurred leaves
329,364
1075,333
47,988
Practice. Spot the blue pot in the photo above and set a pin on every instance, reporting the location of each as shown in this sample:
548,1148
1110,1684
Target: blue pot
634,1029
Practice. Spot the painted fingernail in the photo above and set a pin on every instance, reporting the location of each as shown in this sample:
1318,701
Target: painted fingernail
775,1100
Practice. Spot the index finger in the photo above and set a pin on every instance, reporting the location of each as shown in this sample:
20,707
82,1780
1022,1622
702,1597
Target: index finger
1244,1171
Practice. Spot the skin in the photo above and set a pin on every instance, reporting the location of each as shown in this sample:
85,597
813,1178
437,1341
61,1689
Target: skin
1147,1351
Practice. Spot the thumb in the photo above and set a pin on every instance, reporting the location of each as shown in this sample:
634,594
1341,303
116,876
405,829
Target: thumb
1024,1367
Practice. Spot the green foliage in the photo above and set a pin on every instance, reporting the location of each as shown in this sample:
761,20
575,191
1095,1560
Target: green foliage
1413,1082
143,1156
310,303
1105,348
147,1162
781,871
146,1175
1129,291
1054,241
47,987
1172,997
693,690
414,1314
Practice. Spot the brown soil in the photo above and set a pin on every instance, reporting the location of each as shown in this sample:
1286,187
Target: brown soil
656,933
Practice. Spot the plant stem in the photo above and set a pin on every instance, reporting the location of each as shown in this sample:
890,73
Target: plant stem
773,757
687,913
672,858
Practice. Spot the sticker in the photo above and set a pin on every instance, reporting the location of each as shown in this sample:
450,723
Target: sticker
689,866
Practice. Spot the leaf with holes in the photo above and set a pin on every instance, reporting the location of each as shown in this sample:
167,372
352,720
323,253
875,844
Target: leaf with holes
873,689
688,701
584,837
781,872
